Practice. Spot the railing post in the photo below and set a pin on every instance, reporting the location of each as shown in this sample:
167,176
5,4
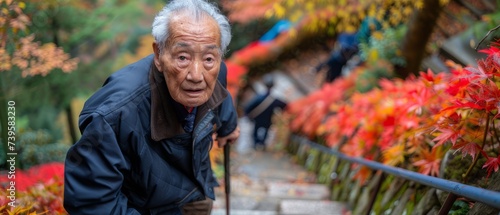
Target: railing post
292,144
448,203
373,196
343,171
319,163
334,180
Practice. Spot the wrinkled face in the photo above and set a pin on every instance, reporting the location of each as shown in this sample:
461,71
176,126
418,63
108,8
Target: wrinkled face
191,59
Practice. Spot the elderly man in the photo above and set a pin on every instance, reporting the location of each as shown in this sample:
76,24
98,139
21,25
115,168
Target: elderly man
147,133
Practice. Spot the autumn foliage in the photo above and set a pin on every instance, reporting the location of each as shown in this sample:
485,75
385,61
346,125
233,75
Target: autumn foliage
470,120
39,190
325,16
410,123
19,49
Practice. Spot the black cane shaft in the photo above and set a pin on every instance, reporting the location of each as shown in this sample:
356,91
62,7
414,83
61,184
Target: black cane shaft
227,174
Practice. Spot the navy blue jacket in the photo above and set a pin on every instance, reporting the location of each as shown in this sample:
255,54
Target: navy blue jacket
134,157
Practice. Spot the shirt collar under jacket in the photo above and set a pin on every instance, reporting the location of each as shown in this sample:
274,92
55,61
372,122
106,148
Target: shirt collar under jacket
164,120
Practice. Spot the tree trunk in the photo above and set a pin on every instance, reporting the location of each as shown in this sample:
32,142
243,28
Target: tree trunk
71,123
67,109
419,32
3,127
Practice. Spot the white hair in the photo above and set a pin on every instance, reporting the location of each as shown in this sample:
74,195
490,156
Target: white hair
160,27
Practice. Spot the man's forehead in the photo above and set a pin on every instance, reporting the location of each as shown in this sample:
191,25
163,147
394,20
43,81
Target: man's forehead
187,29
183,44
193,47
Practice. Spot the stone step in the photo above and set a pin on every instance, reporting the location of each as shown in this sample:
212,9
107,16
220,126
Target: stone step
291,207
270,167
251,194
297,206
305,191
243,212
260,203
283,197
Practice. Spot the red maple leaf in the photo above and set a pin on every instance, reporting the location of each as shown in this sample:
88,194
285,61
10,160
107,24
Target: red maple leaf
492,164
430,161
477,74
429,75
455,87
467,148
454,118
493,49
465,105
389,121
447,135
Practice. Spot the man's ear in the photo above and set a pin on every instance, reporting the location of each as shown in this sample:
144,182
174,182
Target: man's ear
156,60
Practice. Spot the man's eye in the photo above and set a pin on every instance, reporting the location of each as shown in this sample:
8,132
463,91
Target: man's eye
209,59
182,58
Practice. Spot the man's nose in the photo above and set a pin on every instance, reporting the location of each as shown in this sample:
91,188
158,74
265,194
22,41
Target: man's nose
196,72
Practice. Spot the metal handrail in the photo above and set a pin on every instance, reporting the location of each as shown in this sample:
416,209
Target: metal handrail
489,197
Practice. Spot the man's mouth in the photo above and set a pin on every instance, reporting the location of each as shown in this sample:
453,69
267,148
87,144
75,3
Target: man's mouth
194,92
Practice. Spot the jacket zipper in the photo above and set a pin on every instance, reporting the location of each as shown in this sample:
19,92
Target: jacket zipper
197,134
189,194
194,141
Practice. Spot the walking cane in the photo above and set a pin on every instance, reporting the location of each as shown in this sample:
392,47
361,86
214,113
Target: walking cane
227,175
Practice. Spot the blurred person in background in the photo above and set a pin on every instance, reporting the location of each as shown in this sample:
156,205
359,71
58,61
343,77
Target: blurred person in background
260,110
346,47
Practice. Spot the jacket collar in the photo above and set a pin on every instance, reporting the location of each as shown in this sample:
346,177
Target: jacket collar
164,122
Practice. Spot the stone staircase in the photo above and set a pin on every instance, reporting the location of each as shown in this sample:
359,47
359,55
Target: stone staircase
269,182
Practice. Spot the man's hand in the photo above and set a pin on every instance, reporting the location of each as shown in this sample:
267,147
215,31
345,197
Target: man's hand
221,141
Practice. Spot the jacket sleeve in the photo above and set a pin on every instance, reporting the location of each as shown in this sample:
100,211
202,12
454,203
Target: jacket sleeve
227,111
222,77
93,172
228,117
